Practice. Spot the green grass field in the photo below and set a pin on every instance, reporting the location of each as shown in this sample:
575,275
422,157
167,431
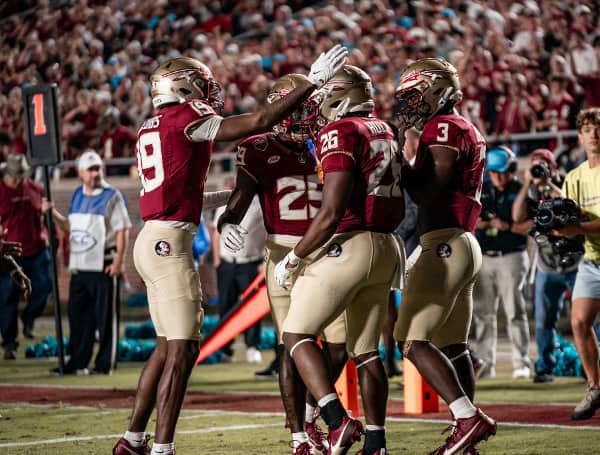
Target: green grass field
60,429
55,428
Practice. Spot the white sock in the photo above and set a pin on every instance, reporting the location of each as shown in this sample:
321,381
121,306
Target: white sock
299,438
309,413
327,399
374,428
159,449
135,438
462,408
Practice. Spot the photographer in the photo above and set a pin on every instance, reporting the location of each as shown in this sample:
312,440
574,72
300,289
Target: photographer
552,278
504,266
583,185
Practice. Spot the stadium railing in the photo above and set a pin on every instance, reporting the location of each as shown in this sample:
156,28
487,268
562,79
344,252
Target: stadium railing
227,160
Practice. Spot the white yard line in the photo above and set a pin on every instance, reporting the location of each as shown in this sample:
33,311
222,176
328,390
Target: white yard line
265,425
116,436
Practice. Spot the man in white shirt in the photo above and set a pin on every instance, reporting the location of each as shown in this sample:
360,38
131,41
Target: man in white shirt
98,226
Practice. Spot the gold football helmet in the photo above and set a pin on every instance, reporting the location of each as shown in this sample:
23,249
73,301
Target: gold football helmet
295,128
181,79
426,86
349,90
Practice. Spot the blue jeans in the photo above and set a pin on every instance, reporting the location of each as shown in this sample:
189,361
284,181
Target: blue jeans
549,288
37,268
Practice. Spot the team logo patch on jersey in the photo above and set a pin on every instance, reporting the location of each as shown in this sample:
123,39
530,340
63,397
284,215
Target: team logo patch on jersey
162,248
82,241
273,159
260,144
334,250
444,250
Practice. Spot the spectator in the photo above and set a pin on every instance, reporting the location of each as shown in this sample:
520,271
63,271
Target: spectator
235,272
100,44
503,244
141,104
516,116
21,210
117,140
9,265
583,185
552,278
98,224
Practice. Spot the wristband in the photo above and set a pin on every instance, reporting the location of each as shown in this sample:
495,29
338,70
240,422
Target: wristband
293,259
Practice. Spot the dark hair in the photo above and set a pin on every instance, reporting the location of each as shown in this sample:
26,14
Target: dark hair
591,115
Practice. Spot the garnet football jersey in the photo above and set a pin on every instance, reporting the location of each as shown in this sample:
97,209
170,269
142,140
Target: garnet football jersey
289,189
172,168
456,132
368,148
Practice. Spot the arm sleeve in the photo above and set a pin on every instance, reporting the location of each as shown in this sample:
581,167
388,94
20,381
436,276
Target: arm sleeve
205,131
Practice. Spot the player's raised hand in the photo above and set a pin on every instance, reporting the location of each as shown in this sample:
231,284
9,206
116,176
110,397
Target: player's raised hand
327,64
233,237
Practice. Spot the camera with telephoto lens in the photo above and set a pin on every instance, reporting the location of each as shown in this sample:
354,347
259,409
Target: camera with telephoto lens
540,171
551,214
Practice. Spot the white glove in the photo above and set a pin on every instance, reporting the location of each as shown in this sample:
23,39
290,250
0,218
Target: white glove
283,273
233,236
327,65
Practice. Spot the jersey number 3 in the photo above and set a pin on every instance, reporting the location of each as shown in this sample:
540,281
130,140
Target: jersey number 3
150,162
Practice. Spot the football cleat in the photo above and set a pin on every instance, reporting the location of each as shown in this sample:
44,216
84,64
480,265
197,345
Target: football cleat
302,449
316,438
467,433
341,439
124,447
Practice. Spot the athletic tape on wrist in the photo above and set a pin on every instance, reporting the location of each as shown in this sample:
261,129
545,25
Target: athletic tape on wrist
293,259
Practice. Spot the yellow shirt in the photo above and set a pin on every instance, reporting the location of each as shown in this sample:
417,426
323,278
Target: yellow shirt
583,185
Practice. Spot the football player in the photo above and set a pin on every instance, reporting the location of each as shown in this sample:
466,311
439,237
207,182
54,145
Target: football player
445,182
279,168
347,260
173,154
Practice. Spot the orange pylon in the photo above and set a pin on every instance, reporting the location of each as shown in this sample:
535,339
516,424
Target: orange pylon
419,397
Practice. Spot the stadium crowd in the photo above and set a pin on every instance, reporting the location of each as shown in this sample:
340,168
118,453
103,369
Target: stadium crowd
526,65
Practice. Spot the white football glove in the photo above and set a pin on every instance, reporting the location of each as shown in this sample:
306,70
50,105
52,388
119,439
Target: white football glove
233,236
283,273
327,64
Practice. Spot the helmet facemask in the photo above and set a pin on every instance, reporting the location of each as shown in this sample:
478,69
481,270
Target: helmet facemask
349,90
426,87
297,127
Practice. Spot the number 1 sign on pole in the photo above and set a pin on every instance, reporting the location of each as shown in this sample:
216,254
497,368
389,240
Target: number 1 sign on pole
43,149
